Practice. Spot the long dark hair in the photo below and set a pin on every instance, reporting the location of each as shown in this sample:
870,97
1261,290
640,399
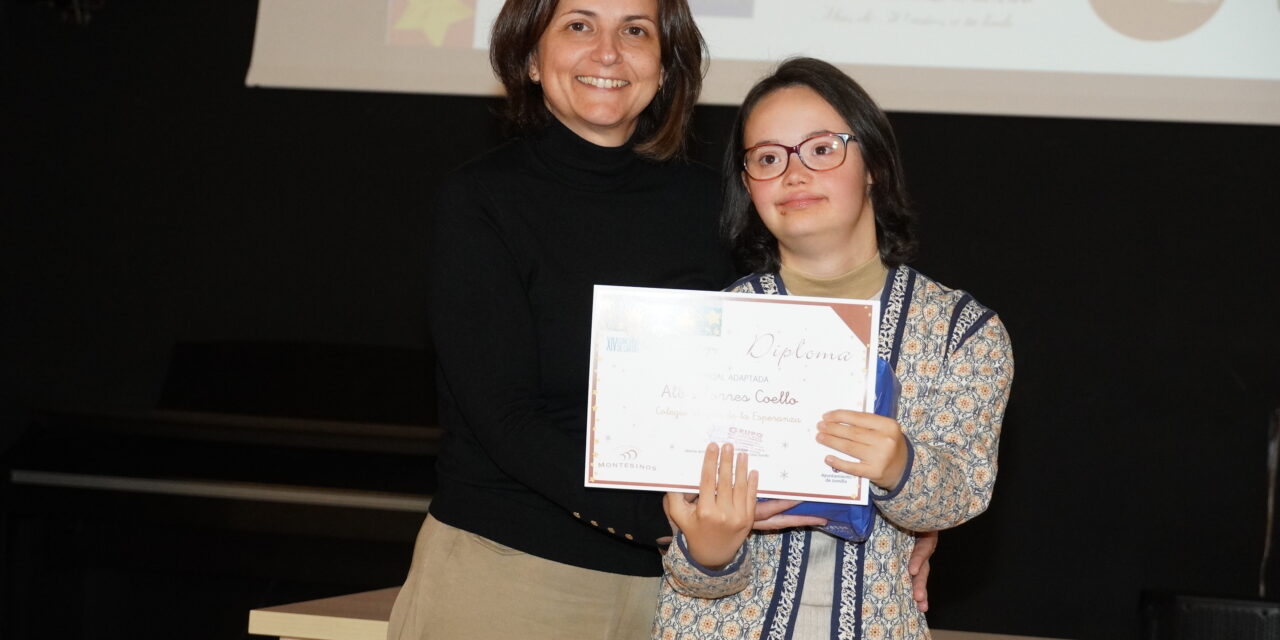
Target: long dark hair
662,128
752,243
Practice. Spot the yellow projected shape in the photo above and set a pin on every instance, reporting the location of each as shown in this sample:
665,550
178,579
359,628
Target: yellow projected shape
1155,19
433,17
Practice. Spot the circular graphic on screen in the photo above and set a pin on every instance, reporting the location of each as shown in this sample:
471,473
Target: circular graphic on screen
1155,19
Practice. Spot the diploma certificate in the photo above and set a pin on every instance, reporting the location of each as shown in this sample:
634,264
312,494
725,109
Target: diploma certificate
674,370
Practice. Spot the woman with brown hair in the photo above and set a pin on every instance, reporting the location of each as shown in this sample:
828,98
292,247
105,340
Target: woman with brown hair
595,190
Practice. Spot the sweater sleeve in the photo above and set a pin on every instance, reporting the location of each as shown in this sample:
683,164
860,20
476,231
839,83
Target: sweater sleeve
689,578
488,355
953,450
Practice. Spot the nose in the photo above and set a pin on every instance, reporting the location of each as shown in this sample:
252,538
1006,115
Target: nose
797,171
606,51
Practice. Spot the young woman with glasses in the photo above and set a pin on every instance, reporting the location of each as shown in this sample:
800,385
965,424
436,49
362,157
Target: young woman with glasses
817,206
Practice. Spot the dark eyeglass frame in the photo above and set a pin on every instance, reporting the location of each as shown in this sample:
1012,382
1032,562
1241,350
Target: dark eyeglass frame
845,137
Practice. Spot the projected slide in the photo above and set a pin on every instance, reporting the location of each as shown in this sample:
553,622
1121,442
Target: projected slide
1207,60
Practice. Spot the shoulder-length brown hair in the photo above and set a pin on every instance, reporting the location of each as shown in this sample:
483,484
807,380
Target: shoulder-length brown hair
661,129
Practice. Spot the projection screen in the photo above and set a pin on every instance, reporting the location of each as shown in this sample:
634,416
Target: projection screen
1179,60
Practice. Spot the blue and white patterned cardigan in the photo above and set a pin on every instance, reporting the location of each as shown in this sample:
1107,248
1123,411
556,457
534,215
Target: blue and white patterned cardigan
953,359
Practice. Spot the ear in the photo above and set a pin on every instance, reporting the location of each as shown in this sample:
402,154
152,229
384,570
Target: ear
534,74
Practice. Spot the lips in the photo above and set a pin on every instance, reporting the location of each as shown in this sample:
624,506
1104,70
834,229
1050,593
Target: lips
802,200
602,83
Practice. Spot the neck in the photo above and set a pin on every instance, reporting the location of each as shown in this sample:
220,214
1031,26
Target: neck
828,260
583,164
862,281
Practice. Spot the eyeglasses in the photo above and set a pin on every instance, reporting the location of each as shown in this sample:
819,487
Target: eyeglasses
819,153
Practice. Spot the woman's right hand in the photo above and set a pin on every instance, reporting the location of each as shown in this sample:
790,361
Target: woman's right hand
716,521
770,516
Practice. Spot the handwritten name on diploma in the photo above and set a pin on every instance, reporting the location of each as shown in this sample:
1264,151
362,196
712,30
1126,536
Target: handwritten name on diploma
675,392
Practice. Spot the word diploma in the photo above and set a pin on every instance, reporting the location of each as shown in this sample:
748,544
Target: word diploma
673,370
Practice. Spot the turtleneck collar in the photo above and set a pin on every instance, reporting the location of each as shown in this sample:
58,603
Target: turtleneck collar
862,282
583,164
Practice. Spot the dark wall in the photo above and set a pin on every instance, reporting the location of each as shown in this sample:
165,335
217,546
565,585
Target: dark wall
151,199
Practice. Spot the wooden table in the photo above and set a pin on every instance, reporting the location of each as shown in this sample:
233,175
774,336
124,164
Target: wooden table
363,616
358,616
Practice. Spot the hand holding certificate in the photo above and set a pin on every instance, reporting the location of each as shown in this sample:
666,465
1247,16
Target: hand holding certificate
719,517
674,370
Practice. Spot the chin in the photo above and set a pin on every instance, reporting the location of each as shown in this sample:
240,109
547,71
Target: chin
610,124
607,123
606,116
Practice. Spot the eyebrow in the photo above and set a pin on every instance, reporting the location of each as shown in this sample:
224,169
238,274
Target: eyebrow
806,137
592,14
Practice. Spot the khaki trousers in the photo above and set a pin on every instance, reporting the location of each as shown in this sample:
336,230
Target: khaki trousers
464,586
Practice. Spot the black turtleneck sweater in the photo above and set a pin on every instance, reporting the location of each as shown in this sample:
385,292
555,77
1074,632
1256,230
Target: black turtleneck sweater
520,237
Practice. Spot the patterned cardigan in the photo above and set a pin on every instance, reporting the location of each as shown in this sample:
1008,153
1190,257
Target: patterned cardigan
953,359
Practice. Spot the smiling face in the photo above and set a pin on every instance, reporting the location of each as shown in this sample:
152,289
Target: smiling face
818,217
600,64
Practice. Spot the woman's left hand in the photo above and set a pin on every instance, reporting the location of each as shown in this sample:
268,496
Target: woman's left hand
918,567
875,440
